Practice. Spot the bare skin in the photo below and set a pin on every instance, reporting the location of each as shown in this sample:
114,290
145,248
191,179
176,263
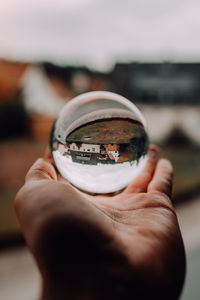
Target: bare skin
126,246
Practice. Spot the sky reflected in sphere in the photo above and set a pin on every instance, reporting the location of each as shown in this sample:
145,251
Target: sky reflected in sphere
99,142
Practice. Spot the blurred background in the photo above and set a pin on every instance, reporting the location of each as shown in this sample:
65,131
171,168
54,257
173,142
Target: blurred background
50,51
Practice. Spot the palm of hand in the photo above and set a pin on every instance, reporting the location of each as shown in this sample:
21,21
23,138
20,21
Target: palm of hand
127,245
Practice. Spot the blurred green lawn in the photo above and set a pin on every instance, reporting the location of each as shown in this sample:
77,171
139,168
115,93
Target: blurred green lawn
186,163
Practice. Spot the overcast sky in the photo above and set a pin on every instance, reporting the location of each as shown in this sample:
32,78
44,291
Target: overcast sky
99,32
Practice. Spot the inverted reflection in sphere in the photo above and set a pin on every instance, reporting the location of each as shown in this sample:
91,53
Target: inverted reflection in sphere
99,142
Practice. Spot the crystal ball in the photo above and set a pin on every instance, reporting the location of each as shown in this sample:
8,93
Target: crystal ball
99,142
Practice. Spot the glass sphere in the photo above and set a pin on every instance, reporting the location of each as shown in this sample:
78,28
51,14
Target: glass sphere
99,142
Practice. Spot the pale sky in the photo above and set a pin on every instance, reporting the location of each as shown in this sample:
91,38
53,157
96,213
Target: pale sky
99,32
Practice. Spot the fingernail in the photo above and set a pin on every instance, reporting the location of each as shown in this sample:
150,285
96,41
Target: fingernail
153,154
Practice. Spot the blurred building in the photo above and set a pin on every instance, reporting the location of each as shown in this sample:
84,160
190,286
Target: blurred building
158,83
167,93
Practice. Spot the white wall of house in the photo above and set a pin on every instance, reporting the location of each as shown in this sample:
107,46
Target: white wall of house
61,149
90,148
115,154
162,119
39,96
73,147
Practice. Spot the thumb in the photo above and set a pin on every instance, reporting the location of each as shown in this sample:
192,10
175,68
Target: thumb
40,170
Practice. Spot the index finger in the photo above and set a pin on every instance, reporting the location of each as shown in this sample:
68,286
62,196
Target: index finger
162,179
41,169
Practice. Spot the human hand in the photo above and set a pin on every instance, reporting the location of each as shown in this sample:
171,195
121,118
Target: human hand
126,246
